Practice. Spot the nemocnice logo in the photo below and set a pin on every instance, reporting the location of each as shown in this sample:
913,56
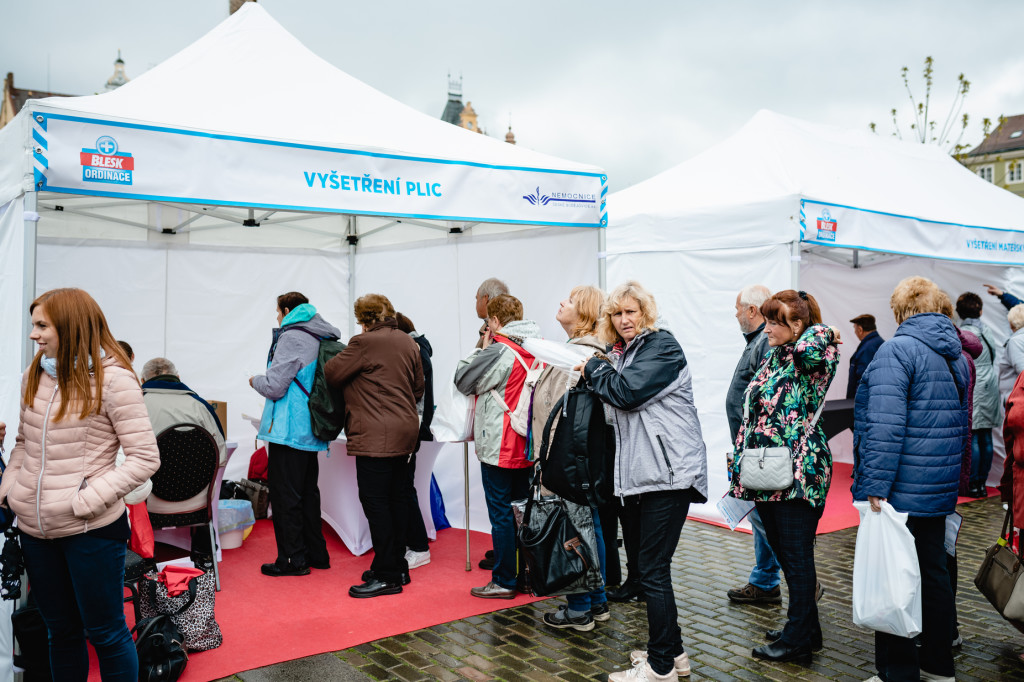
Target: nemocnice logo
106,163
538,198
826,226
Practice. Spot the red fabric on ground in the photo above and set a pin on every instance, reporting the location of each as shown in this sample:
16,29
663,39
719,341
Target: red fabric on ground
269,620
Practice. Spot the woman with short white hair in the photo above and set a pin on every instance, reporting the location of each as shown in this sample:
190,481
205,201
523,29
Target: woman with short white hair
1011,364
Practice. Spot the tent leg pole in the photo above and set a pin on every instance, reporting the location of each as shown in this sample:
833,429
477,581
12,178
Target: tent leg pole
353,236
28,289
794,260
465,477
602,258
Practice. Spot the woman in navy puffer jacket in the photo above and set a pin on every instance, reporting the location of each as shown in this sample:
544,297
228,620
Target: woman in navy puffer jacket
910,429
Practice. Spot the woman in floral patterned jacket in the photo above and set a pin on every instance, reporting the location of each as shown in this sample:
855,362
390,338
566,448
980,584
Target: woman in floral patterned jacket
783,397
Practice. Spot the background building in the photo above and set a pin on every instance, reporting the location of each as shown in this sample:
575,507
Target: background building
999,159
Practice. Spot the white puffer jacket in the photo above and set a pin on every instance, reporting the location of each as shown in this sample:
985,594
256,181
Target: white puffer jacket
61,479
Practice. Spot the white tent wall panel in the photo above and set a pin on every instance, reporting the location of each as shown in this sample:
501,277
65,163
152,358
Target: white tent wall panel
436,285
12,312
845,292
209,311
696,296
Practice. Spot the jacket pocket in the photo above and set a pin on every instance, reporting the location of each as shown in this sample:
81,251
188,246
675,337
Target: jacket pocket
663,451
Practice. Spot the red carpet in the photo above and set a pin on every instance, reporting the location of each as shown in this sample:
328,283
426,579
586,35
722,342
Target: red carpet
269,620
839,510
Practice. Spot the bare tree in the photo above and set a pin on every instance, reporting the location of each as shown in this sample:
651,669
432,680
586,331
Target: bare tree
924,128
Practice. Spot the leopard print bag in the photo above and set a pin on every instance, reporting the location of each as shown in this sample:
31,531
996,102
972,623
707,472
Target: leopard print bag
196,621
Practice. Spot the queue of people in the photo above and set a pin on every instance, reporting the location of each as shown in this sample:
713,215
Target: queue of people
923,419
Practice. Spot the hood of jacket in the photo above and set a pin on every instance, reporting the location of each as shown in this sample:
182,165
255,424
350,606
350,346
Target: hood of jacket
306,316
423,343
935,331
520,330
970,343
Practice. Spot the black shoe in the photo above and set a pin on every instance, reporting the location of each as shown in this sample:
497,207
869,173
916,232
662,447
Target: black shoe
628,592
277,570
322,564
373,588
487,564
776,651
368,576
489,554
775,635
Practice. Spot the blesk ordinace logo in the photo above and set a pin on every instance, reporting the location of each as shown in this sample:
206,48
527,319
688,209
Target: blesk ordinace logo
106,163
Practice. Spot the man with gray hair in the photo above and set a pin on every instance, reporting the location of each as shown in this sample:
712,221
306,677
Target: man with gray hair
490,288
170,403
763,585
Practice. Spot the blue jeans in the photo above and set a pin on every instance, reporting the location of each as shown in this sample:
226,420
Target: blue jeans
765,574
501,487
583,601
981,456
661,517
78,582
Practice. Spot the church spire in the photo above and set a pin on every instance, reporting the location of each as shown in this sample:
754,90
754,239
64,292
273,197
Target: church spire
119,78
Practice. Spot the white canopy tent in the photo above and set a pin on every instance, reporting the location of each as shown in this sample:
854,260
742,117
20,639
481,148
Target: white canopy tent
245,166
790,204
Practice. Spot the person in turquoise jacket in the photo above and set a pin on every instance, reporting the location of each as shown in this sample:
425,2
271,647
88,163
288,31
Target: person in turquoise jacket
292,449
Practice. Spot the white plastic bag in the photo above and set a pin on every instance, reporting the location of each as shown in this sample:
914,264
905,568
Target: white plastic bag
564,356
886,574
453,418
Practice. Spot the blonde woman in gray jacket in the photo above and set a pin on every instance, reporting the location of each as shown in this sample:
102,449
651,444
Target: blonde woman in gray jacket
660,459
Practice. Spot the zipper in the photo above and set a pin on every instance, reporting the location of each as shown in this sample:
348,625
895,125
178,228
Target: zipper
42,462
664,454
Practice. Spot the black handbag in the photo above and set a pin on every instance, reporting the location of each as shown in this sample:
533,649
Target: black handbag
550,546
161,648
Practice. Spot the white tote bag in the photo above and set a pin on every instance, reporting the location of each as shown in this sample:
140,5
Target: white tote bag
886,574
453,418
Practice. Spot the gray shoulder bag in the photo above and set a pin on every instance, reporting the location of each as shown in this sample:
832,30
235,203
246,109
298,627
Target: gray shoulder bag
769,468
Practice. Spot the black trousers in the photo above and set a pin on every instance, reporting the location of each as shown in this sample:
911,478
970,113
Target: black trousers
627,514
382,492
791,526
415,531
660,517
900,659
295,500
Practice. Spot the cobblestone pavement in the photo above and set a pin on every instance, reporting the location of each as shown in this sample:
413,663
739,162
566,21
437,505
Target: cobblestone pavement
514,645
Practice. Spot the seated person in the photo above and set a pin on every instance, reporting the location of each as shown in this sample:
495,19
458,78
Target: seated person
171,402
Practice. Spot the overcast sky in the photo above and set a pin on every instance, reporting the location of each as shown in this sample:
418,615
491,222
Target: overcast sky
632,87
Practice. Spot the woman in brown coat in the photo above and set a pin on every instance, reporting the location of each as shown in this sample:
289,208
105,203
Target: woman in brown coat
80,402
380,375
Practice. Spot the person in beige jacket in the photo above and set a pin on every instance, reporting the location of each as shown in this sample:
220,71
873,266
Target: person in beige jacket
80,403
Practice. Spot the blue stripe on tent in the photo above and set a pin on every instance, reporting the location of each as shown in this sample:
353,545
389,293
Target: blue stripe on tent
293,145
40,159
39,120
37,136
312,209
40,179
906,217
909,253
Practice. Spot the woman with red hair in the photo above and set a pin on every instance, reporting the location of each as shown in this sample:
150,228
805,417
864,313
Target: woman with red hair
81,401
781,408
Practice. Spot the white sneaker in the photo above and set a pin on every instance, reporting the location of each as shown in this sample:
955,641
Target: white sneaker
682,662
417,559
641,672
932,677
874,678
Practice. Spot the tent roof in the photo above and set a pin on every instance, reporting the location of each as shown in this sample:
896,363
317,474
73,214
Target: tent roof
250,77
761,175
